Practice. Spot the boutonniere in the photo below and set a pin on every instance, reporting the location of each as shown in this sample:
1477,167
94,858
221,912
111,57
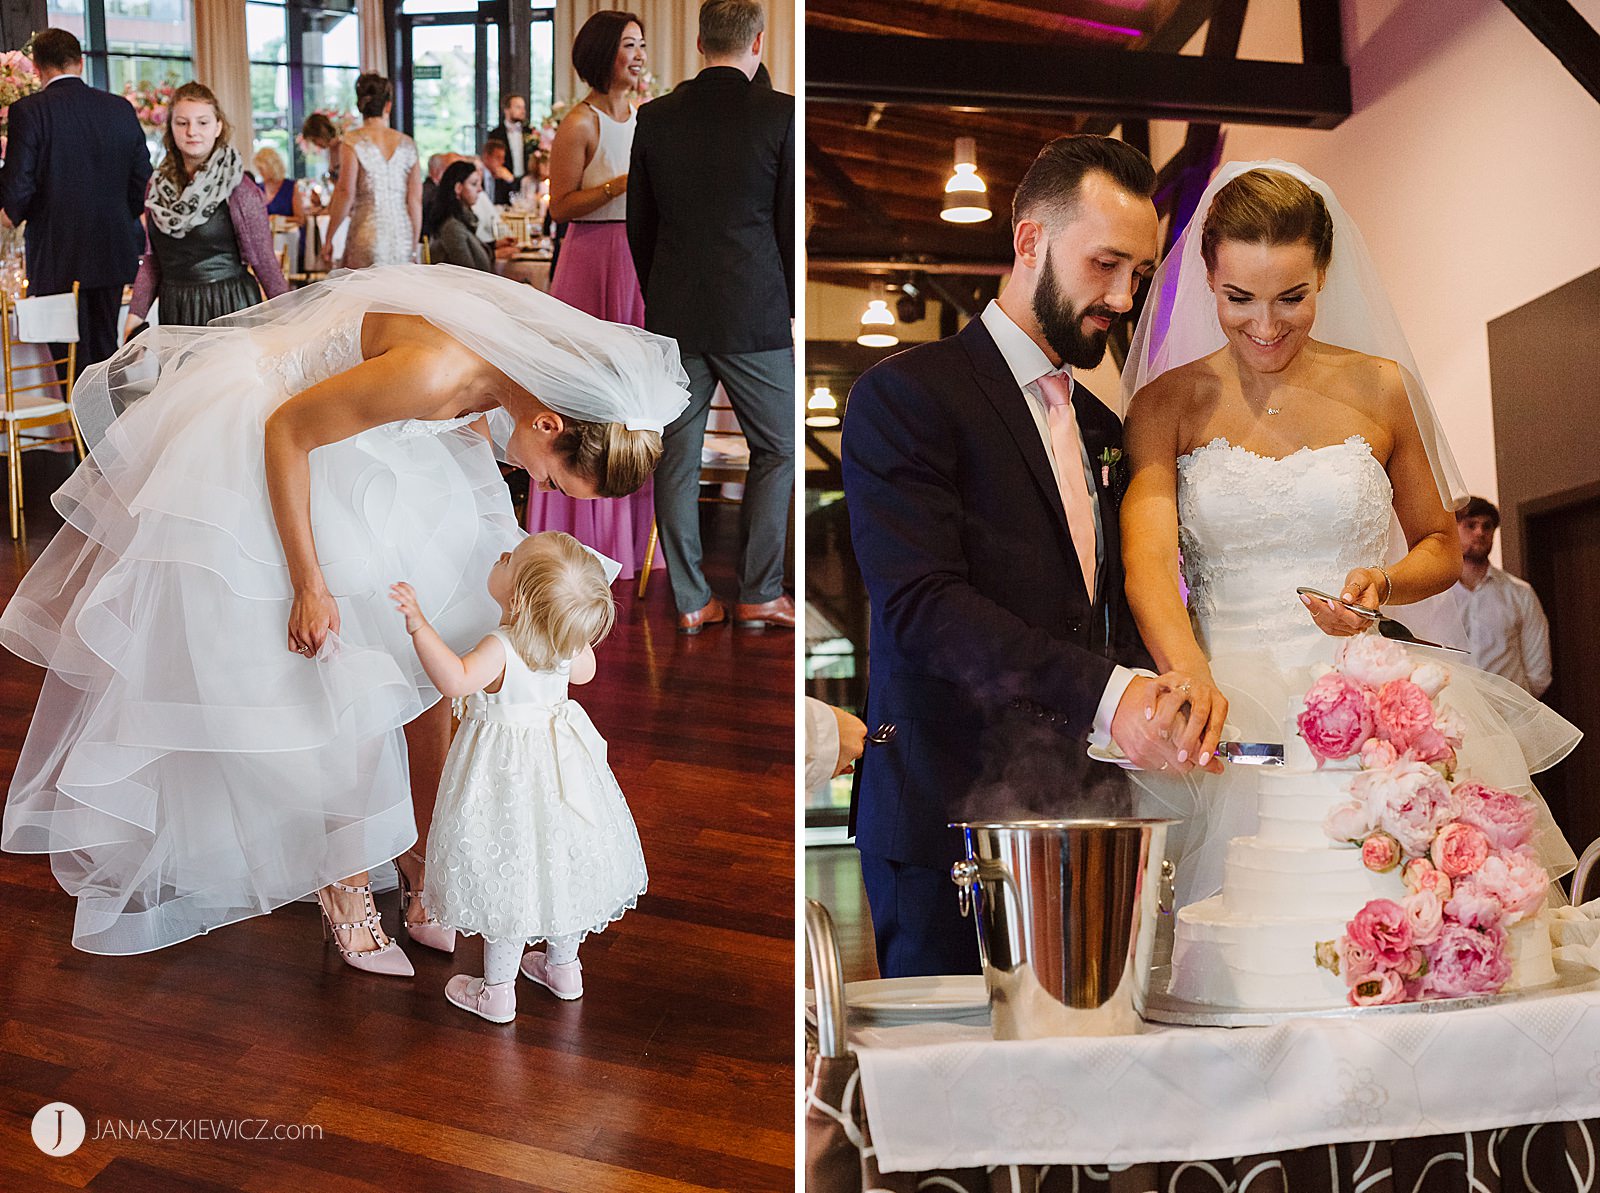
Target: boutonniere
1110,458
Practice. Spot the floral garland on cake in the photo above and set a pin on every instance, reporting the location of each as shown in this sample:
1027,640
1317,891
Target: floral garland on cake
1462,847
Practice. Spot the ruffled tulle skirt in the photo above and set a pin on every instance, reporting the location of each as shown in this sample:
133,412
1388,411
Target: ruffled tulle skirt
184,768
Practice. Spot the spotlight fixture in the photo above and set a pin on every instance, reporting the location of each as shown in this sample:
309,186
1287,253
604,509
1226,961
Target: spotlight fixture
822,408
966,198
877,322
911,306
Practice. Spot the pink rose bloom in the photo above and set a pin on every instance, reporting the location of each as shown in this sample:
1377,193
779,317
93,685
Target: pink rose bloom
1472,908
1383,929
1505,819
1425,910
1515,880
1459,849
1377,754
1380,853
1372,660
1448,723
1463,961
1355,962
1431,678
1409,800
1337,718
1420,874
1348,822
1403,713
1378,990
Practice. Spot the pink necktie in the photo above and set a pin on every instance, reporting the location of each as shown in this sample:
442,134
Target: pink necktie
1056,391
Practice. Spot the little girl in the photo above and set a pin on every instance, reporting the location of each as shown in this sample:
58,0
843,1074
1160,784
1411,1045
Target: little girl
531,837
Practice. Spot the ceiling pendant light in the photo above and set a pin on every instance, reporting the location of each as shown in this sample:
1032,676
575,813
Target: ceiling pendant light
877,324
822,408
966,199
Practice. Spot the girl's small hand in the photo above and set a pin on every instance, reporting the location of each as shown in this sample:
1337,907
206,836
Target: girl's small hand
405,600
313,617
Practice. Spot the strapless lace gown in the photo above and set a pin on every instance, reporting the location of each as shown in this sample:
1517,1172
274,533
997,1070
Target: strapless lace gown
1252,529
380,226
184,768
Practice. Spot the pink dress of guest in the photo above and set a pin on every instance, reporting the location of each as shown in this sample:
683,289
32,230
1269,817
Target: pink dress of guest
595,274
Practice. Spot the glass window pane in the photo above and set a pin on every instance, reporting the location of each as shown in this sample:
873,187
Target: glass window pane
332,38
266,33
492,71
332,89
444,118
269,100
541,44
466,6
68,15
145,27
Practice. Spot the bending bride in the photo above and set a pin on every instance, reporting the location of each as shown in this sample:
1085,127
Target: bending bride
230,704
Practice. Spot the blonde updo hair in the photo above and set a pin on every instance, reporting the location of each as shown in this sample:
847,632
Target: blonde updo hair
1268,207
560,601
616,459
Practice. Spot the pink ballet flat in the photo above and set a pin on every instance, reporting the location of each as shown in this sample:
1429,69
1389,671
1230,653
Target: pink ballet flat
497,1004
430,933
564,981
386,958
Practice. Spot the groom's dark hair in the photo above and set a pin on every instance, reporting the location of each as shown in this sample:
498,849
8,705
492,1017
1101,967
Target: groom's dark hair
1050,187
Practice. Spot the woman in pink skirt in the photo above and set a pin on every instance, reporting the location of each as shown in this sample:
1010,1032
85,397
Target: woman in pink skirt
589,192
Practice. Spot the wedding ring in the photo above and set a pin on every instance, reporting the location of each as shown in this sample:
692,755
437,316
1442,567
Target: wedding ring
1184,686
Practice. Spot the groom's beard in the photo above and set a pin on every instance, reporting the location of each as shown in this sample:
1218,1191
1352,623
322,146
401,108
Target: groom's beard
1062,323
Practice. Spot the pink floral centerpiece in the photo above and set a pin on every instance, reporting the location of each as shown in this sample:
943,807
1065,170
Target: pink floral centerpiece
1463,848
151,102
17,78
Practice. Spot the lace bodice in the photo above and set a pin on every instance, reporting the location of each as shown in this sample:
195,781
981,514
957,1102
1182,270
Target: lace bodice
1253,528
380,225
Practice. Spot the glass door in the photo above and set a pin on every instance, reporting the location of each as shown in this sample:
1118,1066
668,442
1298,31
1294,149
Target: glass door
453,59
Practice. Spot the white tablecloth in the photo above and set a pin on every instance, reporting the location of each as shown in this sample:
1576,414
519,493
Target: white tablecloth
945,1096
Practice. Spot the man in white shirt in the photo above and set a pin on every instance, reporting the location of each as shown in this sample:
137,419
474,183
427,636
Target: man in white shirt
1506,625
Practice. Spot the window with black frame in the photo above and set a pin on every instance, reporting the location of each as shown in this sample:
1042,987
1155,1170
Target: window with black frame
130,45
304,58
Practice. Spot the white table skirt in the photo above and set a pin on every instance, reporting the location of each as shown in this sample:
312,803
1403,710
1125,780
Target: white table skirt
947,1096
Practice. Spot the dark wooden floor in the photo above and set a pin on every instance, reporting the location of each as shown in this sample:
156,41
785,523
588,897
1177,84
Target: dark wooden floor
674,1071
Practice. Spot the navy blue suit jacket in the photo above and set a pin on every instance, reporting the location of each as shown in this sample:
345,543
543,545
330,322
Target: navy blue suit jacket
987,655
76,169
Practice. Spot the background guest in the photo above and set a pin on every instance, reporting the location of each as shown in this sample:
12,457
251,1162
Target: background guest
711,224
455,228
76,168
277,189
430,187
319,133
1506,625
519,140
588,186
205,222
497,178
380,185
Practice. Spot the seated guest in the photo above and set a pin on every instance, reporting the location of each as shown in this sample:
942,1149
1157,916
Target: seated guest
277,189
430,187
497,179
454,240
205,223
1506,625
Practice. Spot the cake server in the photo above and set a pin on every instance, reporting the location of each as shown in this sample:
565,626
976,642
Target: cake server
1251,753
1388,627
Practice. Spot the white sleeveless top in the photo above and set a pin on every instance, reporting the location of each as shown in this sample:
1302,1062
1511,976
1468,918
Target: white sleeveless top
611,155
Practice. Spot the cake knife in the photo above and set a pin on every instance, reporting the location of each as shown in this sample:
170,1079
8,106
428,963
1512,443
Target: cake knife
1251,753
1388,627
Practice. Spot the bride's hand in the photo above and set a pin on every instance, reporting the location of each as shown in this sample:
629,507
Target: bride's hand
1195,735
1363,586
314,616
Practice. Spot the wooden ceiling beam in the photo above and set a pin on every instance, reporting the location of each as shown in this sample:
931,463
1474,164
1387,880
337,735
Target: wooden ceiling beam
1562,30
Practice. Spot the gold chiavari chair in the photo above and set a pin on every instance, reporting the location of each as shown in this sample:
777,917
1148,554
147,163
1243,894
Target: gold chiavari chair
38,414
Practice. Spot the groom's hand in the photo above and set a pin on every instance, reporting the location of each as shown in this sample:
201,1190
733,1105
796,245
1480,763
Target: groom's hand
1146,732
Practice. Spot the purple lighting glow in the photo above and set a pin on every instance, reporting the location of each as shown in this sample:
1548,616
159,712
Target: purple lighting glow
1101,26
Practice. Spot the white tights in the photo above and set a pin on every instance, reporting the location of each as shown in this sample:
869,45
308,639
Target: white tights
501,957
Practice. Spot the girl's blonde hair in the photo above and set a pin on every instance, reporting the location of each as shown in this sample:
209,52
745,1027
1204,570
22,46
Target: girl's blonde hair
560,601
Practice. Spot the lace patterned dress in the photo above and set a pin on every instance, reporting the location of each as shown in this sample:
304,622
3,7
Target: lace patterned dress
531,837
1252,529
380,224
184,768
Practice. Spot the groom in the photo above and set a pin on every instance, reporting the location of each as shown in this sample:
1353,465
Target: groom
982,484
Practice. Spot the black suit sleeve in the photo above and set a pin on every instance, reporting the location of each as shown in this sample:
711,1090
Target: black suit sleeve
783,207
19,181
139,170
901,480
643,216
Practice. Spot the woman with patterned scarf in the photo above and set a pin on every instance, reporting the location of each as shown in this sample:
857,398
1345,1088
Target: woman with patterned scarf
205,223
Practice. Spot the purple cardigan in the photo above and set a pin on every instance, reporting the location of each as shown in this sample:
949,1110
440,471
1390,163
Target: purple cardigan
254,233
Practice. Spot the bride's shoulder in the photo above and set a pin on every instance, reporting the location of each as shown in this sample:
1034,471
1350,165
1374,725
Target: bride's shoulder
1177,392
1377,380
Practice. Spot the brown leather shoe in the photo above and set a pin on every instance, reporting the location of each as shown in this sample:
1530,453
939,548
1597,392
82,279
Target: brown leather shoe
779,613
712,614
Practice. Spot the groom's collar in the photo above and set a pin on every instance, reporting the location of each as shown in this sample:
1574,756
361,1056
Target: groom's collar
1023,357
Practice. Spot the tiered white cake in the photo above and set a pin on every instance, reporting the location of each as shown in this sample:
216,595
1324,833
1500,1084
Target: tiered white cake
1288,888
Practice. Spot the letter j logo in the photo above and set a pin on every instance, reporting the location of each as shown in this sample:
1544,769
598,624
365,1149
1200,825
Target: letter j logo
58,1129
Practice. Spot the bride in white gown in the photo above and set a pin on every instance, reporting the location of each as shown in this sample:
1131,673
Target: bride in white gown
1278,437
220,731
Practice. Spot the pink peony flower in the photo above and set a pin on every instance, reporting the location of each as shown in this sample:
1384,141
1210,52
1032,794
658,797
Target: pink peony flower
1463,961
1419,874
1449,724
1515,880
1383,928
1472,908
1459,849
1378,990
1431,678
1409,801
1372,660
1348,822
1380,853
1425,910
1337,717
1403,713
1355,961
1377,754
1505,819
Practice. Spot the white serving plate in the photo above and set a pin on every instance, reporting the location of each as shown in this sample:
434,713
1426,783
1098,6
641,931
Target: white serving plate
893,1002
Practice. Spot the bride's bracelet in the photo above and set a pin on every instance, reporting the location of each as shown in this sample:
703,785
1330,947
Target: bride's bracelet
1388,585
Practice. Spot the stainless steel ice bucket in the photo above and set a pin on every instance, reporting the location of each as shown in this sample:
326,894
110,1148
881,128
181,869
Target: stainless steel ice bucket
1066,913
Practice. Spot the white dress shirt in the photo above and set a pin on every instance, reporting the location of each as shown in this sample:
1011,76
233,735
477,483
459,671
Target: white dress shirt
514,147
1507,629
822,743
1028,363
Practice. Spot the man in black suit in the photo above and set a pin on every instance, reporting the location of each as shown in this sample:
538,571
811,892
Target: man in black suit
711,227
76,168
982,484
520,140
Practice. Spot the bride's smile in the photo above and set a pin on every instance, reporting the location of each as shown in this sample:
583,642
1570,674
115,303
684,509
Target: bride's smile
1266,300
